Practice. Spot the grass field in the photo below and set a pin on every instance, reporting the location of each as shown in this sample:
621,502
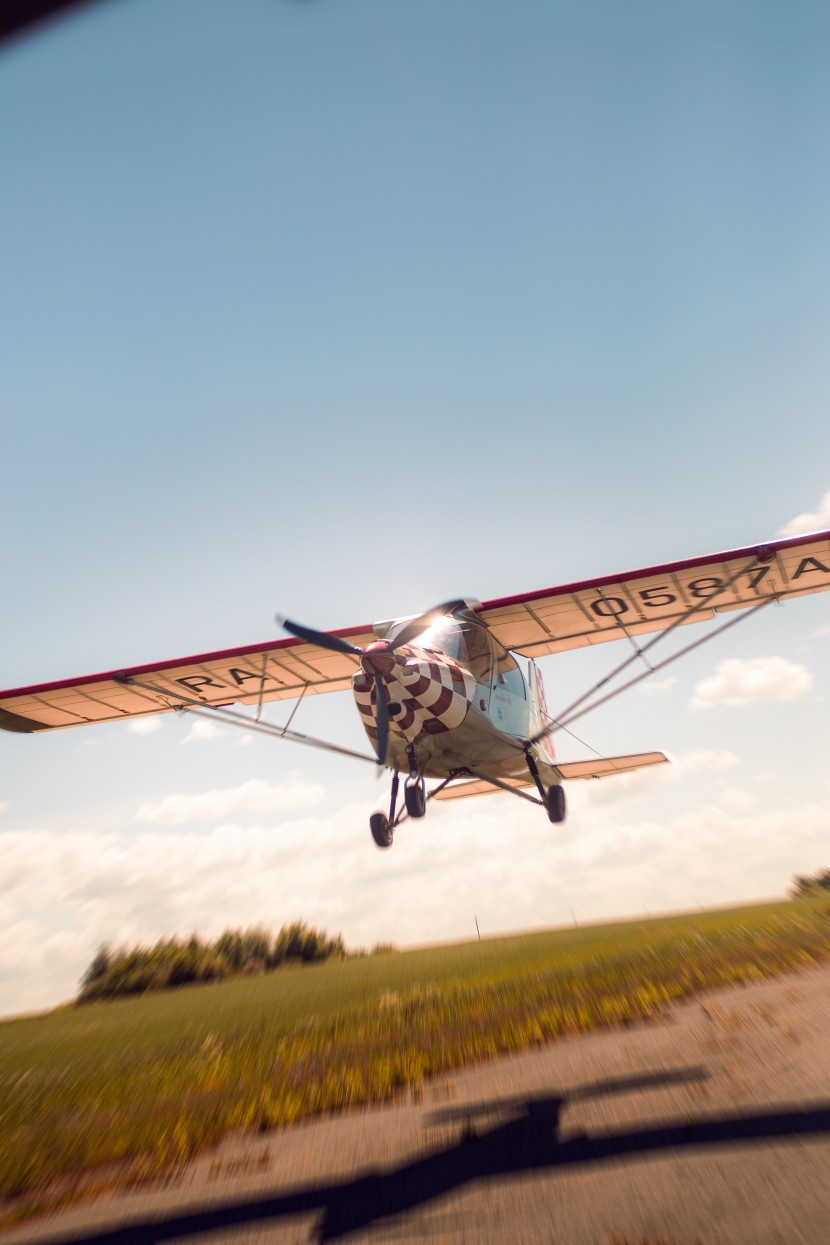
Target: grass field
128,1089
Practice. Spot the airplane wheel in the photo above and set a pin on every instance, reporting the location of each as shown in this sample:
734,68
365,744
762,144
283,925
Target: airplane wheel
555,802
381,829
416,800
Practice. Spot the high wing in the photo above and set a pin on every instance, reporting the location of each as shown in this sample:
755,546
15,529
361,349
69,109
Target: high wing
595,610
547,621
278,670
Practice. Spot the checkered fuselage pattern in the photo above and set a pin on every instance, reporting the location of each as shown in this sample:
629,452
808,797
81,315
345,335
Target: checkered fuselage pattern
427,697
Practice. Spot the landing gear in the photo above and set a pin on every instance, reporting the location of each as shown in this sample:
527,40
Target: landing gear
415,797
381,828
414,792
555,803
554,798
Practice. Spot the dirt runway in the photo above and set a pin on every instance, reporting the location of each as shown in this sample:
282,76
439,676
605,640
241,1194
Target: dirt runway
710,1126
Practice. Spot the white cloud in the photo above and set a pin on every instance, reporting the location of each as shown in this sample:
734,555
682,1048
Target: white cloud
738,681
653,687
202,730
254,796
144,726
704,759
820,634
810,521
617,789
62,895
4,806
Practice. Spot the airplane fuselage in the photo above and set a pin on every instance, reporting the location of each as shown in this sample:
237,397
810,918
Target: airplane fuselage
457,701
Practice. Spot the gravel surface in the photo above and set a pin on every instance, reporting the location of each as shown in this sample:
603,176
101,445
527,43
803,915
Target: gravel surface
707,1127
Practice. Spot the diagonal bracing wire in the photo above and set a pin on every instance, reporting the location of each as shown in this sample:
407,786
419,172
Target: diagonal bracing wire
571,715
639,652
231,717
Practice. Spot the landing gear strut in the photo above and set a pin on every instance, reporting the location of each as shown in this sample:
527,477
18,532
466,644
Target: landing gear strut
415,799
383,827
554,798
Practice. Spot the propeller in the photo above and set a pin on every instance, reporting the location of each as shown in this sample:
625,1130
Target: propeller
323,639
376,659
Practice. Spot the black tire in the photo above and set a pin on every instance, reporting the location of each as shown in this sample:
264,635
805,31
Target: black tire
416,800
556,804
381,829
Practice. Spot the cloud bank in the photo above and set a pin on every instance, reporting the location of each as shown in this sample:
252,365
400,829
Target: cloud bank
271,855
254,796
738,681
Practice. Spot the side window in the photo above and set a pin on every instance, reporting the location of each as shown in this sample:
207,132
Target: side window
507,673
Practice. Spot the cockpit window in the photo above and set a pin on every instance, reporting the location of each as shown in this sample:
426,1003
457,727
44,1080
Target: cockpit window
468,643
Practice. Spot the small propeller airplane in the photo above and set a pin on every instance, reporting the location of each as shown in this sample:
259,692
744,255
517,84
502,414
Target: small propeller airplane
453,694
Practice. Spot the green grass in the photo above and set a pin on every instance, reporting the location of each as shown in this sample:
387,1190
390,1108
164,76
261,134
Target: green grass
134,1087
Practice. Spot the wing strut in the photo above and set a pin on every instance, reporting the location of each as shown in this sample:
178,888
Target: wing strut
498,782
232,717
762,558
570,714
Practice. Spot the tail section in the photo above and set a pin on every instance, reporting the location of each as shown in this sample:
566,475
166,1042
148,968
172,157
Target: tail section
539,717
601,767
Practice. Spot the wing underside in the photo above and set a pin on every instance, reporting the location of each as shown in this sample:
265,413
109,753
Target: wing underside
281,670
548,621
636,602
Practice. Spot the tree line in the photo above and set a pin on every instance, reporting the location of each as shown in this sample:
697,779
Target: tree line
172,962
809,887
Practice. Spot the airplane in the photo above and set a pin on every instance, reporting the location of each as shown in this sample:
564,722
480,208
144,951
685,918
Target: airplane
453,694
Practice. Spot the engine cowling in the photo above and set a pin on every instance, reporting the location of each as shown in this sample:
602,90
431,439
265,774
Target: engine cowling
425,697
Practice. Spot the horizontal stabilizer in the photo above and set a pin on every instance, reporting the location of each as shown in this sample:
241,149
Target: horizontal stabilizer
601,767
479,786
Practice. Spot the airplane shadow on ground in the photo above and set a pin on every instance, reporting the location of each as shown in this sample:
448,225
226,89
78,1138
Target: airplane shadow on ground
524,1138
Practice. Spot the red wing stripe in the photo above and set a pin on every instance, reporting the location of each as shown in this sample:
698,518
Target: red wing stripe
663,568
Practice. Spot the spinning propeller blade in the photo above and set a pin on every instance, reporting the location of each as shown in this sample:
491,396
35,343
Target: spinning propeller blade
412,629
322,638
381,719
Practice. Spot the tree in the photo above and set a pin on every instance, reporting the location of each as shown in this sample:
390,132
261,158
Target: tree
98,969
807,887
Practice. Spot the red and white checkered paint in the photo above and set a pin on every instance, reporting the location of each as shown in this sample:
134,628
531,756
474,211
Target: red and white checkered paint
434,697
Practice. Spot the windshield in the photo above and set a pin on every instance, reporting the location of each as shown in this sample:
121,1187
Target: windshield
467,642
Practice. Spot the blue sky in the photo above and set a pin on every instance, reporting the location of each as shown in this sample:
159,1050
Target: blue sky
342,309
